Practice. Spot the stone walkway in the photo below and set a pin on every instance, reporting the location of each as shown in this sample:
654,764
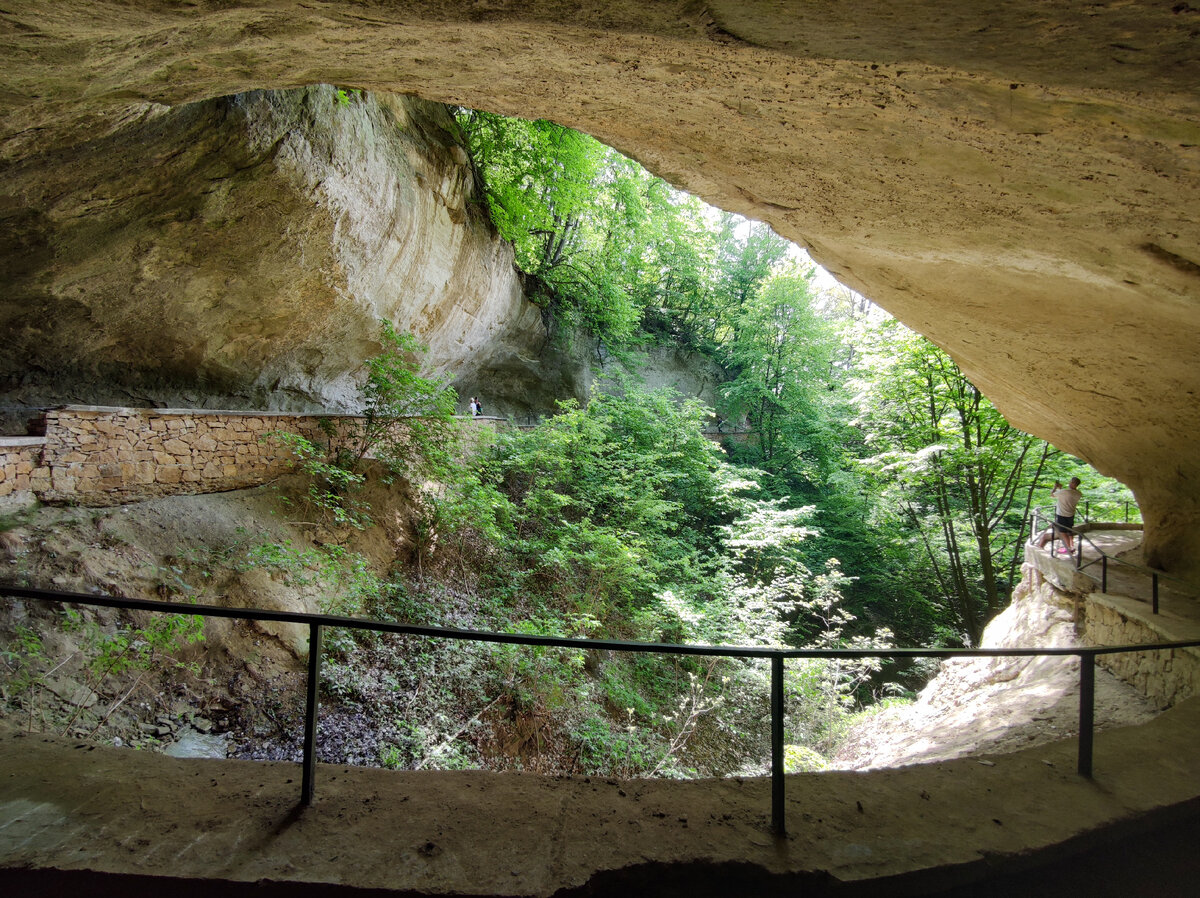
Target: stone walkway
1131,587
147,821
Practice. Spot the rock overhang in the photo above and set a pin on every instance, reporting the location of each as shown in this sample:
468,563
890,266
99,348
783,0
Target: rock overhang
1017,182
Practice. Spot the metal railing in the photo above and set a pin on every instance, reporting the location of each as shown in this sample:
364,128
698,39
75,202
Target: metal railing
317,622
1042,518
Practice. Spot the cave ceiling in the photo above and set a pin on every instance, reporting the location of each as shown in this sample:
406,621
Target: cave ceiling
1018,181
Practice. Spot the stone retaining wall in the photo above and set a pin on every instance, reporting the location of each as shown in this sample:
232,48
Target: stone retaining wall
108,456
1166,677
21,470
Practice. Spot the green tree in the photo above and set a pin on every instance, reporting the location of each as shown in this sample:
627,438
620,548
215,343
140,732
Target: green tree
782,357
571,208
614,501
407,424
961,474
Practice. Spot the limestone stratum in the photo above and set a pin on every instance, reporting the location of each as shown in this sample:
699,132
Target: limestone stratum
1017,181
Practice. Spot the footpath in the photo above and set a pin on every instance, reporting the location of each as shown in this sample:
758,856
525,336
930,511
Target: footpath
105,820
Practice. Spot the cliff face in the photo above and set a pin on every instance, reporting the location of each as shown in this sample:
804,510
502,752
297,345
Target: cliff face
240,252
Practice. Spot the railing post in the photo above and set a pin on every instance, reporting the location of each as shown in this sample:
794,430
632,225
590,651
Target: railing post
1154,592
777,823
1104,573
310,715
1126,511
1078,551
1087,711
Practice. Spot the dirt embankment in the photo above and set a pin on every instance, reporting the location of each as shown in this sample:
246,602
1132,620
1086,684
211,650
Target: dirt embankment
142,679
997,705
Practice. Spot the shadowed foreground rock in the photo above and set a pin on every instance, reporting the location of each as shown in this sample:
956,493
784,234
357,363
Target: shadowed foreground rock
67,807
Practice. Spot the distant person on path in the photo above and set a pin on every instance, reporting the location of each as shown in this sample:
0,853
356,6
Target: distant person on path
471,406
1065,503
478,408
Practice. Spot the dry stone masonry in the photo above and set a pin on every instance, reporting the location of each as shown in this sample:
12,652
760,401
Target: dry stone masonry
1166,677
108,456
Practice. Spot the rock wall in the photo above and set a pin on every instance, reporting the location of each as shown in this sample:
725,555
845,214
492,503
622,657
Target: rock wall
240,252
21,470
1017,181
1166,677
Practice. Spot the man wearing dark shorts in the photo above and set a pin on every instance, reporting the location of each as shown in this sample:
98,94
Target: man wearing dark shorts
1065,503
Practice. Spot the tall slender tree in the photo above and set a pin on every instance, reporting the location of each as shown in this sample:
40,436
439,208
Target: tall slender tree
960,472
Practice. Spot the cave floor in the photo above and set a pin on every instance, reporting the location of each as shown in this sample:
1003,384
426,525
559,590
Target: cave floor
84,817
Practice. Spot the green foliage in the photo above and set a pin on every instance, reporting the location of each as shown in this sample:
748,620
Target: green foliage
782,353
331,485
407,423
608,749
608,247
953,474
407,418
107,658
343,96
558,196
23,660
613,501
139,648
802,759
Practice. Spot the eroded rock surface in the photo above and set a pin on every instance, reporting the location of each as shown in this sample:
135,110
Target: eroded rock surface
1018,181
980,706
240,252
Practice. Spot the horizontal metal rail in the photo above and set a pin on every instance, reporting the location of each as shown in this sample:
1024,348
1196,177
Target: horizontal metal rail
1103,558
318,622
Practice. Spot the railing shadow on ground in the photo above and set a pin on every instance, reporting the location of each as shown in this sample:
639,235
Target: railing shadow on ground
777,656
1044,530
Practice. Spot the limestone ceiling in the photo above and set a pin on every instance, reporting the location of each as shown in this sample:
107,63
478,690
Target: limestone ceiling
1020,181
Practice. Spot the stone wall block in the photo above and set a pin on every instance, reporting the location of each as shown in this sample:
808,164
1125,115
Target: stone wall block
62,480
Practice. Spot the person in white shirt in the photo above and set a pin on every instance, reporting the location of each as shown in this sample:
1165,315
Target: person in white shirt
1065,503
